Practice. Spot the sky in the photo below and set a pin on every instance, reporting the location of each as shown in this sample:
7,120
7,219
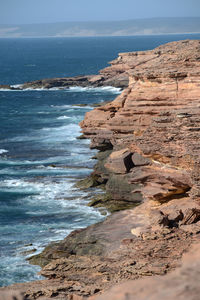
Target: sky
50,11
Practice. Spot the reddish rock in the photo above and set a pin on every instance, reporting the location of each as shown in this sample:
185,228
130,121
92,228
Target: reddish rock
156,117
120,162
11,295
180,285
139,160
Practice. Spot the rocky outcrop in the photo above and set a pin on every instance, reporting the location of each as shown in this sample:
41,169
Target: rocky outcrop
156,119
116,75
128,245
180,285
149,143
11,296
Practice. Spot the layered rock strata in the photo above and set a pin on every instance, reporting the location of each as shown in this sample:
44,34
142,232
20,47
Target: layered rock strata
156,119
148,139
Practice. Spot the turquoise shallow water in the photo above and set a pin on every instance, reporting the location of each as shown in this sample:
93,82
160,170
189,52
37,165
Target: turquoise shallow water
40,157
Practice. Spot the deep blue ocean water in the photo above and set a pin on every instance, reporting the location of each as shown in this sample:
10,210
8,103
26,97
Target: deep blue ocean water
40,156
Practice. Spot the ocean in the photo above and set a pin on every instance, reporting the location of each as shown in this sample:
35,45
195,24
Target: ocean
40,156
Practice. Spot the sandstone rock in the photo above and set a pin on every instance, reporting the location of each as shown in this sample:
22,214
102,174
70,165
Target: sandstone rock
119,162
180,285
191,216
119,187
5,86
161,184
11,295
139,160
123,257
192,228
156,117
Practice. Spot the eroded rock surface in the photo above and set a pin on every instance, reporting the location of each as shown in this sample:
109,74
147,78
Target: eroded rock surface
156,117
180,285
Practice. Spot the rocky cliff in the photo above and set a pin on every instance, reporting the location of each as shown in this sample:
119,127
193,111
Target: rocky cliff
154,123
148,139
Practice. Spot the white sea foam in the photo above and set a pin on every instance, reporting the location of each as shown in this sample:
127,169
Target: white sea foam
49,200
17,265
40,188
51,135
57,88
16,86
3,151
43,112
51,160
71,107
63,118
37,89
74,89
45,192
105,89
20,185
47,171
5,90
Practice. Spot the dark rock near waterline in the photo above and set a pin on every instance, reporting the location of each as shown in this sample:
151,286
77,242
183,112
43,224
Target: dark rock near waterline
106,200
94,240
28,252
119,187
91,181
8,87
81,137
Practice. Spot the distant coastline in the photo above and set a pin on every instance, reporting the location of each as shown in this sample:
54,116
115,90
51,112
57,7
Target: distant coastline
153,26
101,36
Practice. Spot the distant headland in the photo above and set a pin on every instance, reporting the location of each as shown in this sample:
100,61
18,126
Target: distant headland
151,26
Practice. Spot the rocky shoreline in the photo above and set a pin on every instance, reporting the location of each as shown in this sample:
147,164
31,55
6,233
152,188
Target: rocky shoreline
148,142
115,76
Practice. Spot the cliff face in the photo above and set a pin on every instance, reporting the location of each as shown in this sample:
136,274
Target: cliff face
156,120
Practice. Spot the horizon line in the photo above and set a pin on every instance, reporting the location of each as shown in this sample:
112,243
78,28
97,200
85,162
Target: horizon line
100,21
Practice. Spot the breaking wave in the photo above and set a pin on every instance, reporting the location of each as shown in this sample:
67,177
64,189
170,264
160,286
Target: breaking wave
74,89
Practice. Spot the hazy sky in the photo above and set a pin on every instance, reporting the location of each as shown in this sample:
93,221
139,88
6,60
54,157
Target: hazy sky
48,11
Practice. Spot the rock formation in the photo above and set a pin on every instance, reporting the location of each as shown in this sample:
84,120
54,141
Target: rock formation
180,285
156,119
115,76
149,143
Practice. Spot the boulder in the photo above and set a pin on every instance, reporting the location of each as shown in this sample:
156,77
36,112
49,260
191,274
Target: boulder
120,162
